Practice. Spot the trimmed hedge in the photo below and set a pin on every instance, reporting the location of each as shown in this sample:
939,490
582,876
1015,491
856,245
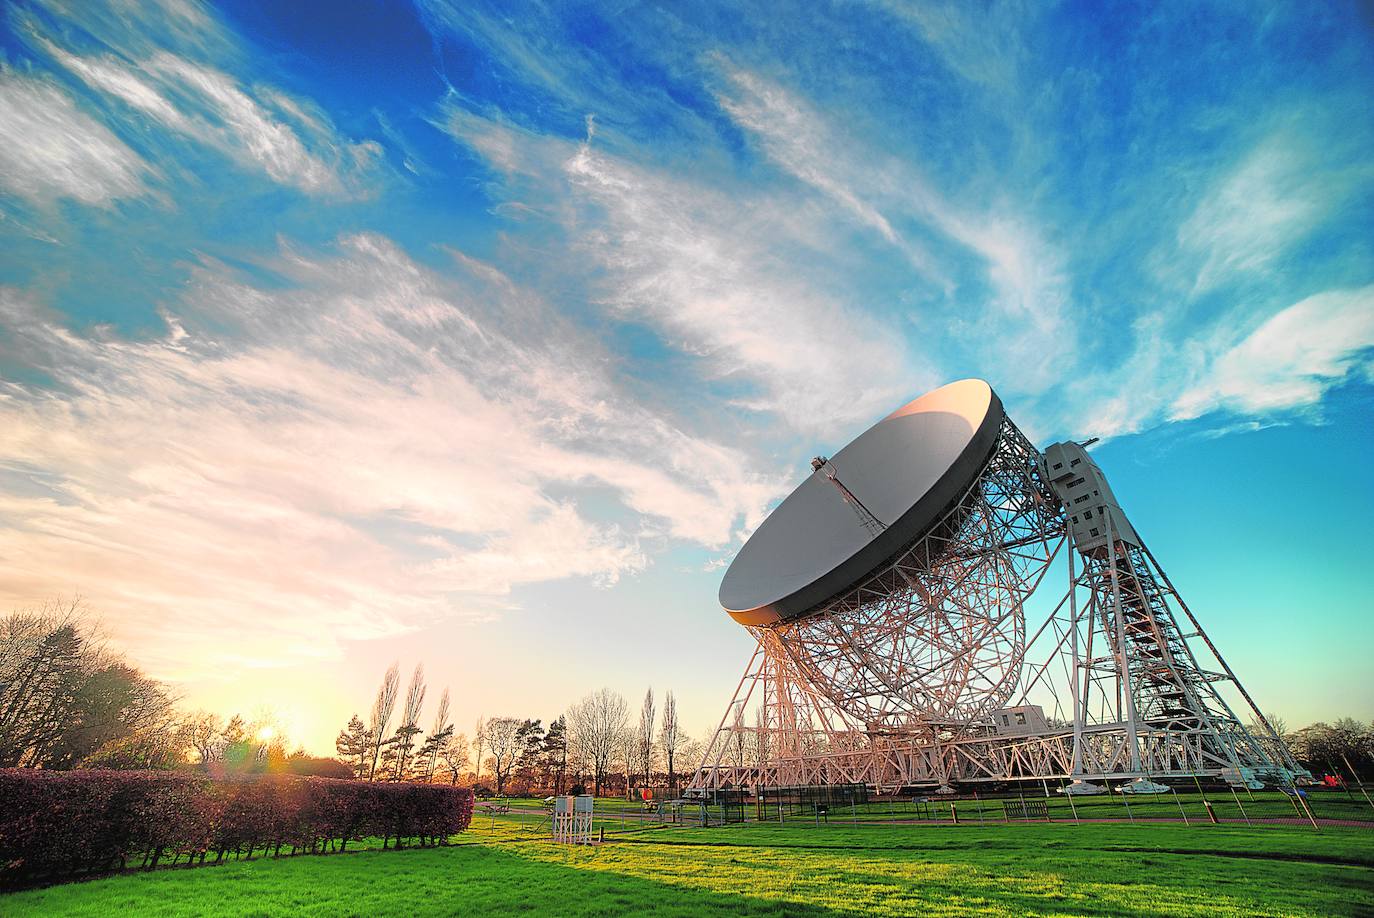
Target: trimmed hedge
57,825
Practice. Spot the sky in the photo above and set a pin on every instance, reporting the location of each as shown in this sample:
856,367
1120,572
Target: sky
333,334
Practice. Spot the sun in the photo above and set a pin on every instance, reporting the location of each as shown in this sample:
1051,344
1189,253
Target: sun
266,733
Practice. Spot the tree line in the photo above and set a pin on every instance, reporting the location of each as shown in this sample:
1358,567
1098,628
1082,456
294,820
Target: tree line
373,752
68,701
594,743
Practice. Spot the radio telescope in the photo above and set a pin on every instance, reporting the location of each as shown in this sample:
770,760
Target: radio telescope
887,597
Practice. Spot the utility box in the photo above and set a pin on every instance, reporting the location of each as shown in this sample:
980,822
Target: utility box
572,819
1022,720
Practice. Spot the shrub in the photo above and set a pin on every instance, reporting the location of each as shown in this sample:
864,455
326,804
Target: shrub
319,767
59,825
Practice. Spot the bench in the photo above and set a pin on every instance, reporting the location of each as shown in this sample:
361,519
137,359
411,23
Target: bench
1025,809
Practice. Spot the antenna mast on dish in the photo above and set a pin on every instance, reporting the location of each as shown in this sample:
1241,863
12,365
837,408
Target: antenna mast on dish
870,522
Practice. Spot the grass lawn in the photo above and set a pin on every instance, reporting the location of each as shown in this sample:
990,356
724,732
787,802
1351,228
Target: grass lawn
767,869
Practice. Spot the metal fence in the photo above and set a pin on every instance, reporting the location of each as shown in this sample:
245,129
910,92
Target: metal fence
854,805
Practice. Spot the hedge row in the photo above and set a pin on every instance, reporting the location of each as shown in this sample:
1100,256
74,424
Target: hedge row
55,825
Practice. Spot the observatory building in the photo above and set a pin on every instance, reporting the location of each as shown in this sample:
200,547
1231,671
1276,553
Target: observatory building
887,596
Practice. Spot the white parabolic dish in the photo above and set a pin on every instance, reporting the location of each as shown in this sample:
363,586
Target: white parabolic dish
907,469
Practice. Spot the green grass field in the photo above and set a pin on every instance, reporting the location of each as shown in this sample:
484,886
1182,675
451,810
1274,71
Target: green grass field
767,869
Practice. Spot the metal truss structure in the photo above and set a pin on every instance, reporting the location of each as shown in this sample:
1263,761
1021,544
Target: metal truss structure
913,677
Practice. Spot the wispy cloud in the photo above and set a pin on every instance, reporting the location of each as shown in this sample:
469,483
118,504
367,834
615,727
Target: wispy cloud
261,128
395,454
983,43
266,133
802,144
687,257
691,258
1267,204
1290,360
1023,322
50,149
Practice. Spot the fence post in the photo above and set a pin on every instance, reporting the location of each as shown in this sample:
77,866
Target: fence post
1210,814
954,812
1243,814
1122,790
1358,782
1072,808
1303,800
1184,814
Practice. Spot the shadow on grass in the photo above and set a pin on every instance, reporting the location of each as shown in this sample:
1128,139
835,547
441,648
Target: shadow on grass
466,879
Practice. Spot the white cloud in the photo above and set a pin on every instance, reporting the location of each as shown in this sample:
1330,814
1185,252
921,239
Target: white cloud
981,43
49,149
702,264
1024,325
690,258
284,138
1270,201
226,116
801,144
1290,360
361,452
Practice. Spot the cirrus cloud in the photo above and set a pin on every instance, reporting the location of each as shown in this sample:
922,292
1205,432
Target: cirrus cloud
354,452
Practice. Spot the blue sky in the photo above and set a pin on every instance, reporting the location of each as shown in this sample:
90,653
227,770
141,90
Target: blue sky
334,333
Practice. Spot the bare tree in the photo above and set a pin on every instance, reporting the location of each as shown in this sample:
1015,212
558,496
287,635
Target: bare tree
760,744
737,737
479,742
205,733
629,745
595,725
438,737
668,735
410,721
1261,726
382,709
644,739
692,751
505,742
454,753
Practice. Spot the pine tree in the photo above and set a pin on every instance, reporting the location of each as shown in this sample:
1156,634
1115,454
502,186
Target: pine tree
354,745
556,752
529,740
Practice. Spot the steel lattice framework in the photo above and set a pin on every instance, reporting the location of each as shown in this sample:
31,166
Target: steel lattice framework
898,680
938,635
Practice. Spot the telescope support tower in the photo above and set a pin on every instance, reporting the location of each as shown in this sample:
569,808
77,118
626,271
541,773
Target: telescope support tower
913,677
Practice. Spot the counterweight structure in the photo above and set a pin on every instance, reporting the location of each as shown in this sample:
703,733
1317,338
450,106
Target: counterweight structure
924,672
